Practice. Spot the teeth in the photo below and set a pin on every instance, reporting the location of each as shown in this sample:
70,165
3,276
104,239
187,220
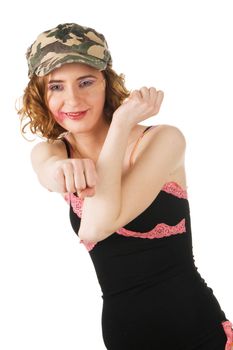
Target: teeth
73,114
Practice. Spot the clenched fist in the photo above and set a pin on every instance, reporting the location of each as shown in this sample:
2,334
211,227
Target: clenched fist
75,175
140,105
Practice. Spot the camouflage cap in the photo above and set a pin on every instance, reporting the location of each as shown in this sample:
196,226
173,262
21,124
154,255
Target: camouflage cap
67,43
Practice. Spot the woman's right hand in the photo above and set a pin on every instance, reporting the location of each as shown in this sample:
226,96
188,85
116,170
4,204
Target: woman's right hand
75,175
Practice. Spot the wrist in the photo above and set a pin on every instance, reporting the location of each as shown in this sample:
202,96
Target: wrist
121,121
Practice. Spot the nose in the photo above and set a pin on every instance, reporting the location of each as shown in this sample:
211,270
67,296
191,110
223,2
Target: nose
72,97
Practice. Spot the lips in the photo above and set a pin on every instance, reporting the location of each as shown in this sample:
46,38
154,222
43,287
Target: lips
74,115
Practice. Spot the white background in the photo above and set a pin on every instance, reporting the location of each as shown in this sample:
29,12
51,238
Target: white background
49,295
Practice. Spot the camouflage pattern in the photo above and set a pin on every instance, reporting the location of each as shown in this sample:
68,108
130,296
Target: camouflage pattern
67,43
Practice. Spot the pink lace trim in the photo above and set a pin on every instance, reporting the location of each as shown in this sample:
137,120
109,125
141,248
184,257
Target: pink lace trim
159,231
75,202
89,246
227,326
175,189
169,187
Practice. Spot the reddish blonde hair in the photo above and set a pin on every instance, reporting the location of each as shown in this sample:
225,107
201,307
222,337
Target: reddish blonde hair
34,112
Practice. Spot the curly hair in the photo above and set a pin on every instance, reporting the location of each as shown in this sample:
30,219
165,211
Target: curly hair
34,112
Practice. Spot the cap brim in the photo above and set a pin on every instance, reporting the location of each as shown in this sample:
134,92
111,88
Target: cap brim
51,64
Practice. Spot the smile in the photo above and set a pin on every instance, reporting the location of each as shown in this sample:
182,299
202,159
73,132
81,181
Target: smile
74,115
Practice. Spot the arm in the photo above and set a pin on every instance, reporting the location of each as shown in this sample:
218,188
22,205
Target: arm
101,211
130,197
59,174
43,157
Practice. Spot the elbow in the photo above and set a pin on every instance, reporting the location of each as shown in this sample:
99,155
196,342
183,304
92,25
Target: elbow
88,236
92,236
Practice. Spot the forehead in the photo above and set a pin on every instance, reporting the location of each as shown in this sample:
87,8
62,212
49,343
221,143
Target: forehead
75,70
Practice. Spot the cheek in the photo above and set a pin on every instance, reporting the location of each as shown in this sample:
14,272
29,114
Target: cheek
59,117
54,109
99,101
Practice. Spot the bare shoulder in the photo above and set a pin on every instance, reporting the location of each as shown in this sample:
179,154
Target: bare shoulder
43,156
161,138
44,150
166,131
160,155
54,146
172,135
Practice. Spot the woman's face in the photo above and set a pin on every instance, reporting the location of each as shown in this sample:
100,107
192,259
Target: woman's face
75,95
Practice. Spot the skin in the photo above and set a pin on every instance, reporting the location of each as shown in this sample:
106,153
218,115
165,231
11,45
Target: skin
88,134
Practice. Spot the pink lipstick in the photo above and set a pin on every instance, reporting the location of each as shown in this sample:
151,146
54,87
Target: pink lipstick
72,115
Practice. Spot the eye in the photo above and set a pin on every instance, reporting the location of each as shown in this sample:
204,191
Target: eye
55,87
86,83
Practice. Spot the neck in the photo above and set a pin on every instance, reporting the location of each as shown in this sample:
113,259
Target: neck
89,143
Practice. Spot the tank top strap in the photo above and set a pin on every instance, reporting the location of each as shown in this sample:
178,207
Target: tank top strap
68,146
137,142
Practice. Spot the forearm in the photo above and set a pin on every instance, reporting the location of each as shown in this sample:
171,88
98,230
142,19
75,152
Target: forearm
45,174
44,156
104,207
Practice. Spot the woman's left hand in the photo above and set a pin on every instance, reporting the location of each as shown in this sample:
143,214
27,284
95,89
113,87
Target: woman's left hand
140,105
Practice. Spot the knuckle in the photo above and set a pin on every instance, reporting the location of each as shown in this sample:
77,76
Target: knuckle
78,165
77,161
67,166
88,161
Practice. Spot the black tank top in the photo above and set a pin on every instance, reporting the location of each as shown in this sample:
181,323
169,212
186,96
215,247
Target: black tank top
151,258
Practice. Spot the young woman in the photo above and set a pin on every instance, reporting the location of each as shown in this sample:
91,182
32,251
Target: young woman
126,187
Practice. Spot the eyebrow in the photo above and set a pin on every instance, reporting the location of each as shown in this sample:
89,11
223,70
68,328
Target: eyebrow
80,78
